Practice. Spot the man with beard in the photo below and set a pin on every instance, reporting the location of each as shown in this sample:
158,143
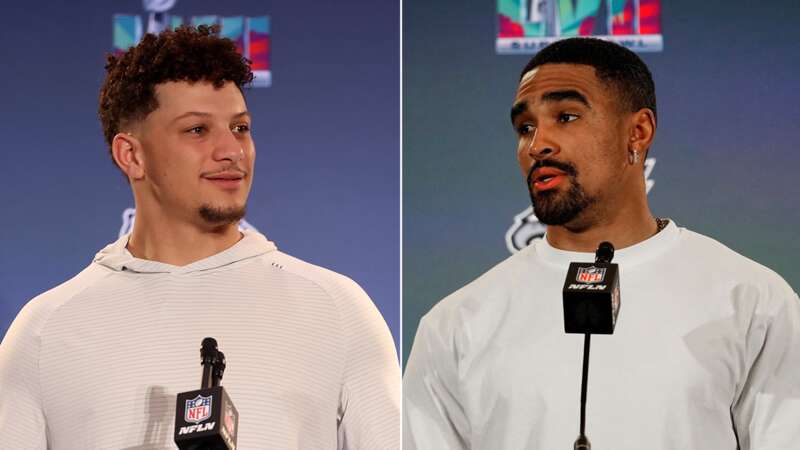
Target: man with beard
96,362
707,348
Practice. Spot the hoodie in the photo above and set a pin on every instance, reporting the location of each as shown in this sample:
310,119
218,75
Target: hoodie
96,363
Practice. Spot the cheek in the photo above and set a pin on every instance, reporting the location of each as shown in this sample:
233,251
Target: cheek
598,169
524,162
251,154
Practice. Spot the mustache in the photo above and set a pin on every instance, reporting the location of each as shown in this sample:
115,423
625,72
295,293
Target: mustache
565,167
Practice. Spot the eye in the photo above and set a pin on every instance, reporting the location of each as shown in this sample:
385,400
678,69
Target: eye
566,117
200,129
241,128
525,129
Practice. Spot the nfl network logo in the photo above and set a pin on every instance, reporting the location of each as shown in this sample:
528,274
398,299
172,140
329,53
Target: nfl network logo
527,26
250,34
590,274
198,409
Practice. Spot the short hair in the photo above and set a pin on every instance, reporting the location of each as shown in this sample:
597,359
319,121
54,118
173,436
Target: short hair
184,54
612,63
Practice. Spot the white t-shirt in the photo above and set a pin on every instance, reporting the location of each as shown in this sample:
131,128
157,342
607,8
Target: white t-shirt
97,362
706,351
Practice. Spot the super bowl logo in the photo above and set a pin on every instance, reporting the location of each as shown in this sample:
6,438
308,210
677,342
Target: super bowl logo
198,409
590,275
526,226
250,34
527,26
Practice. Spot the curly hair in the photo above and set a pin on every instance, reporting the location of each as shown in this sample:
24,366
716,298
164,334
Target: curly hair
184,54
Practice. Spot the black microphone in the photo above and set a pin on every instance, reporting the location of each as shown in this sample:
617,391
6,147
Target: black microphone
591,305
205,419
208,355
591,294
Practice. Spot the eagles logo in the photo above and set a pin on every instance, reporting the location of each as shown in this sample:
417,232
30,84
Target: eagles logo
526,226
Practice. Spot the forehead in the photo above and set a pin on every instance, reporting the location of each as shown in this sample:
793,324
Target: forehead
559,77
178,97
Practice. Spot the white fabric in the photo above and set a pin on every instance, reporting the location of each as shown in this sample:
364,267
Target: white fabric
96,363
706,348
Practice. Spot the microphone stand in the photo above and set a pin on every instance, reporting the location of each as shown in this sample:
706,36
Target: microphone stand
604,254
582,443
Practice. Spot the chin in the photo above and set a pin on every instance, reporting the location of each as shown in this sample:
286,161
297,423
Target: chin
222,215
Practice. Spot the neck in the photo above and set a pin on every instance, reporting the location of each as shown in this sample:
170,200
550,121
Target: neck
176,243
628,227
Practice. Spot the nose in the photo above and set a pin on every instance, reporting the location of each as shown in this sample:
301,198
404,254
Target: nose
537,147
228,147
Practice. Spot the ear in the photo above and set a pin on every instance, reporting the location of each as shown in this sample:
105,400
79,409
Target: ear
643,130
127,153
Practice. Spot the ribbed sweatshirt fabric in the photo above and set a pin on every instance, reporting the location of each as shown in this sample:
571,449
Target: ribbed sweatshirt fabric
96,362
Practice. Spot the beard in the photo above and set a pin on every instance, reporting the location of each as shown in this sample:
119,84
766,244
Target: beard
554,207
222,216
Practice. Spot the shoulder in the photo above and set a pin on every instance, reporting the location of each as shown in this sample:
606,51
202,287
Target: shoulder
484,297
725,267
33,317
721,259
335,285
351,303
362,324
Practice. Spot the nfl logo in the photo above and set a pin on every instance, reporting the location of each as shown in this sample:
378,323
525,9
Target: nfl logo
590,274
198,409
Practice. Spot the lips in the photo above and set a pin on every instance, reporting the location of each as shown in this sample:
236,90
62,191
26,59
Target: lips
229,180
229,175
545,178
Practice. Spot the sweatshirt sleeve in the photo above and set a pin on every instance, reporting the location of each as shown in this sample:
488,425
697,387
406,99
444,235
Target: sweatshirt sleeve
369,411
433,415
22,422
767,413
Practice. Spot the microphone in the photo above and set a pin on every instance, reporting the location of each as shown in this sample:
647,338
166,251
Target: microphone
591,305
205,419
591,294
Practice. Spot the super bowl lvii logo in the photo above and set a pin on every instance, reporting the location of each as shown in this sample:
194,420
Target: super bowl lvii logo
250,34
527,26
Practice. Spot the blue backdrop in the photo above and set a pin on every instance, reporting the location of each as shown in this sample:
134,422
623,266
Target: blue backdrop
326,186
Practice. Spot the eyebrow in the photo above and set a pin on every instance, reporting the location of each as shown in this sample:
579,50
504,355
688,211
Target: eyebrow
518,109
551,97
205,114
570,94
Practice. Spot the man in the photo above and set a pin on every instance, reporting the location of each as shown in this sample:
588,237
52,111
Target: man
96,362
706,352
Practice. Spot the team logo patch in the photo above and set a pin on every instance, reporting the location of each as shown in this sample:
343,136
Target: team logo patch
590,274
198,409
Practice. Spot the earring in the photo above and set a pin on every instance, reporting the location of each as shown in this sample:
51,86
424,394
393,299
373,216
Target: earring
633,156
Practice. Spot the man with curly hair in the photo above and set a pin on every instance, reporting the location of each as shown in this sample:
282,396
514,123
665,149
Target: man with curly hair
96,362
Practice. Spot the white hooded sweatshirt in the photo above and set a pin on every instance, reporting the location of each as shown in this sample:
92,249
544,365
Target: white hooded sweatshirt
96,362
